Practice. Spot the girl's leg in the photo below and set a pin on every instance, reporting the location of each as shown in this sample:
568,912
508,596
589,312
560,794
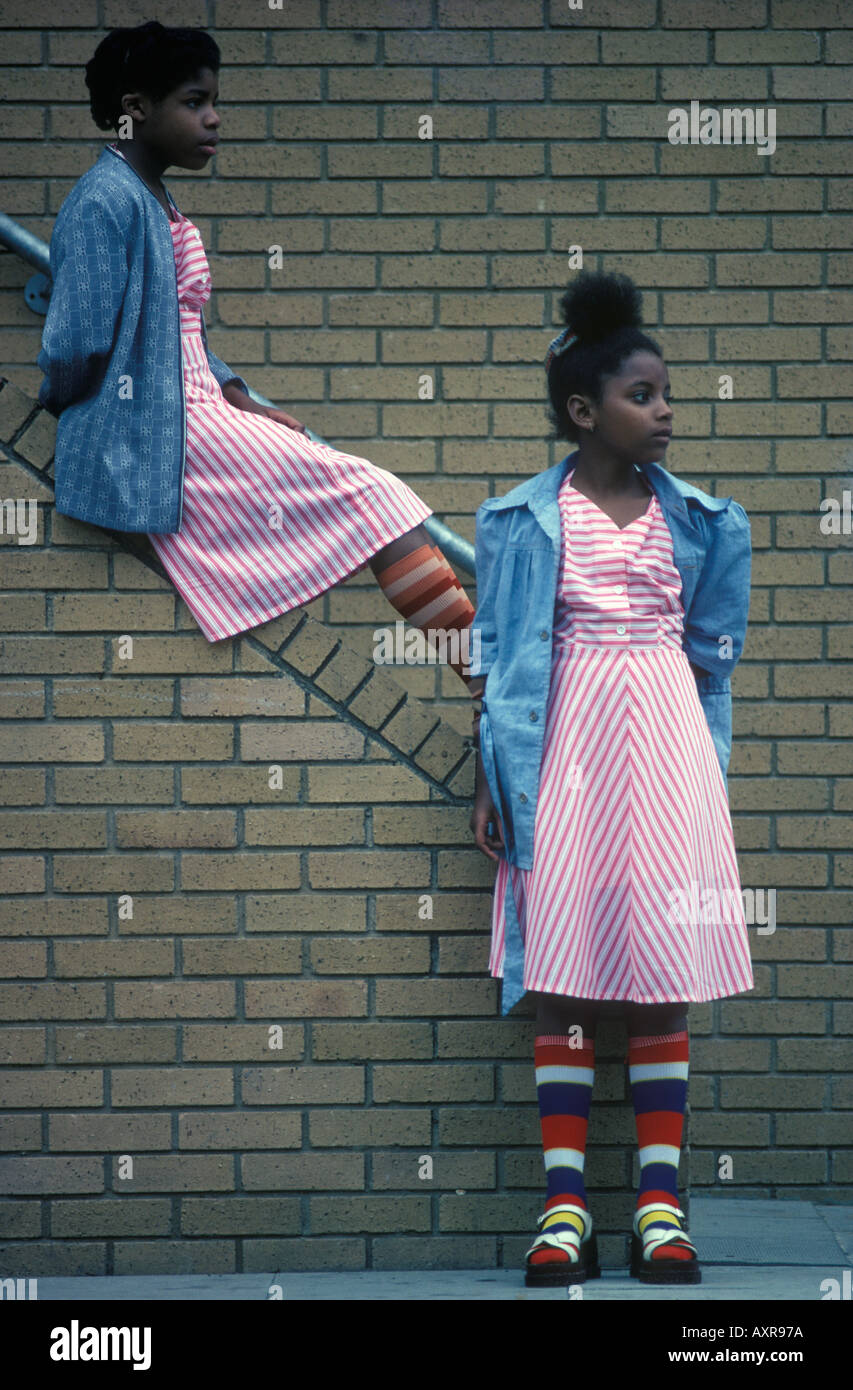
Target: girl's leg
417,579
658,1054
565,1068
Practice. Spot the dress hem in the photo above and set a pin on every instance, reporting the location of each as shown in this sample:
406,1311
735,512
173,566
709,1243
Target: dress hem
285,606
704,998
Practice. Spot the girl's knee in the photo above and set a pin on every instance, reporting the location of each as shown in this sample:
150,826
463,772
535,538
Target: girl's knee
555,1013
644,1019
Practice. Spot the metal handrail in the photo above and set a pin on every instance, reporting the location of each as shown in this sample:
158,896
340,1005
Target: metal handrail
37,253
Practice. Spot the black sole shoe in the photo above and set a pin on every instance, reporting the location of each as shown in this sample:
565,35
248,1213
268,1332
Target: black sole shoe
662,1271
560,1273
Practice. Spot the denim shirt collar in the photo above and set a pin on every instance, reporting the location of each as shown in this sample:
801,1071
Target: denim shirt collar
540,494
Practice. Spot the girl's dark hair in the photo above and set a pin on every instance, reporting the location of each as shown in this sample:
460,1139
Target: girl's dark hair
605,312
150,59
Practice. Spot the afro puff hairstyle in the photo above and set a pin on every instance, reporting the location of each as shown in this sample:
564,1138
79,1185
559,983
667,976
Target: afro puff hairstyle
603,318
151,59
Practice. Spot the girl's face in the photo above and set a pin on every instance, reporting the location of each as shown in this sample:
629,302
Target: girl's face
183,128
633,420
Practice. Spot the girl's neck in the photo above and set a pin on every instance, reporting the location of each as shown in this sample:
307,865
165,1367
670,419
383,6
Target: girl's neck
603,474
149,170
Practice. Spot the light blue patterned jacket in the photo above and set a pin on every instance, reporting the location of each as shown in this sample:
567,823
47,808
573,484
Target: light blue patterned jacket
517,557
113,327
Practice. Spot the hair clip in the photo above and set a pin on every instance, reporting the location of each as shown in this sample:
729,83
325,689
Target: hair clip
560,344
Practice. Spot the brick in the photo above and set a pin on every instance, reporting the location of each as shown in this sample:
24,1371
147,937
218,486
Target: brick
434,997
51,1000
396,1170
431,1084
31,1176
179,1173
24,962
751,14
812,1129
155,741
309,913
302,1255
155,915
47,1259
20,1132
389,869
369,1213
306,998
236,784
19,1046
370,1041
376,700
275,696
172,1257
304,1171
299,741
90,1133
367,784
15,408
170,1087
334,1129
381,85
434,824
113,958
48,916
236,872
729,1131
110,786
274,1129
239,1215
20,1220
758,1017
178,999
405,196
112,1217
339,826
305,1085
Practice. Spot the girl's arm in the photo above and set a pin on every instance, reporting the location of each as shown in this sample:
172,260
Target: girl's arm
487,550
720,603
88,266
485,822
236,396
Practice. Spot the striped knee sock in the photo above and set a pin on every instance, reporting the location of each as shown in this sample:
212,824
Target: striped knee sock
657,1067
564,1077
425,591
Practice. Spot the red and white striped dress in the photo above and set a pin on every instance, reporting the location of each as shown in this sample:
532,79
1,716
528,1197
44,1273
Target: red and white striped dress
270,518
634,892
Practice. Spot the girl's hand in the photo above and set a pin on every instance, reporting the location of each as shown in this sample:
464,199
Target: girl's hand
281,417
485,825
236,396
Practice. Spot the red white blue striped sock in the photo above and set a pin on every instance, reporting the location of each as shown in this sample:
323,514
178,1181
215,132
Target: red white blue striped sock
564,1076
657,1068
424,589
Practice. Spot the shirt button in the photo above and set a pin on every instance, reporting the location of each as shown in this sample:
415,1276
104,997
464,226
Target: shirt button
620,627
523,796
620,589
533,716
544,634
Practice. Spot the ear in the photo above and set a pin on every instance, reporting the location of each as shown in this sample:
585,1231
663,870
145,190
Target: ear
580,410
134,104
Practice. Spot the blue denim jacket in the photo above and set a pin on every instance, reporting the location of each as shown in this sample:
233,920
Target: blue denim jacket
518,546
113,327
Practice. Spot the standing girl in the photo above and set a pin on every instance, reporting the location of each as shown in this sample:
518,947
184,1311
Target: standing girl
249,517
613,601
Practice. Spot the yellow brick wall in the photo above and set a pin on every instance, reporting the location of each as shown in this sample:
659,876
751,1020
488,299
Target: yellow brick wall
299,906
